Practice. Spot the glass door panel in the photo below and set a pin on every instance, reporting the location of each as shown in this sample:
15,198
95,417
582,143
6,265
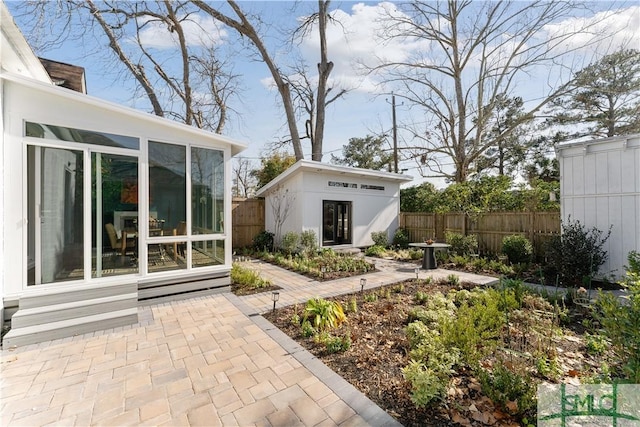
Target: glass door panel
336,220
114,214
167,189
207,191
55,233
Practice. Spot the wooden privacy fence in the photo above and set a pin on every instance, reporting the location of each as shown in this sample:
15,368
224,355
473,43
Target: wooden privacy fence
247,220
490,228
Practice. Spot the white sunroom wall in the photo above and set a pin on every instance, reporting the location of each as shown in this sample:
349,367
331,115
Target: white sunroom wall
373,210
24,102
600,187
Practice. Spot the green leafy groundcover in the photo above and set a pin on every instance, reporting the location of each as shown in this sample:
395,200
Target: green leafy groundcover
323,265
441,353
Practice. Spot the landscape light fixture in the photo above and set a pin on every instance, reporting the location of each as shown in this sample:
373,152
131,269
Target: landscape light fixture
363,282
417,272
275,296
323,269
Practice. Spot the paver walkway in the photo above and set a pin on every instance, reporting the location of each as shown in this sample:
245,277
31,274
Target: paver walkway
207,361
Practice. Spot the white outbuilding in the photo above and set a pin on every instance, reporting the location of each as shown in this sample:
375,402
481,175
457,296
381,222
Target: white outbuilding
341,205
600,187
103,207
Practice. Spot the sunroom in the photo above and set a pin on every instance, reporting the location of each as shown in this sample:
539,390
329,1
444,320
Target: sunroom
103,207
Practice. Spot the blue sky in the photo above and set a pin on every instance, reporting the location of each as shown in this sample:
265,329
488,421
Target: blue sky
364,110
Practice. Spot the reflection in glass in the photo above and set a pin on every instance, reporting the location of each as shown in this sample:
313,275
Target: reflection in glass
114,214
166,256
207,191
208,252
39,130
55,215
167,189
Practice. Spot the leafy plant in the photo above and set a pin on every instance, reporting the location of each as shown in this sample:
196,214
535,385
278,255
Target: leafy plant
324,314
503,386
517,248
338,344
401,238
577,253
621,325
453,279
596,344
290,242
307,329
371,297
375,251
247,278
460,244
380,238
308,242
263,241
430,367
421,297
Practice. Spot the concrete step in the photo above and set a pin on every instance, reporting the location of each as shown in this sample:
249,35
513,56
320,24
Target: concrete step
69,327
25,317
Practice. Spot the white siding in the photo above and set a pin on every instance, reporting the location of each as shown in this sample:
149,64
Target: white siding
372,210
600,187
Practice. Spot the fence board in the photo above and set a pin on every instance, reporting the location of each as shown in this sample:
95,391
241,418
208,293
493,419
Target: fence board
490,228
247,219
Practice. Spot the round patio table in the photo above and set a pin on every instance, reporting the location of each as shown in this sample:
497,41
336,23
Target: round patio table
429,256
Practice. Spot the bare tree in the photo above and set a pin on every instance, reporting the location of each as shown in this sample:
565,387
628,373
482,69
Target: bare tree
473,54
197,92
281,202
244,183
315,101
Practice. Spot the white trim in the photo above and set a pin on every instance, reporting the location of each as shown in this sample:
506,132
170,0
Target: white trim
80,98
311,166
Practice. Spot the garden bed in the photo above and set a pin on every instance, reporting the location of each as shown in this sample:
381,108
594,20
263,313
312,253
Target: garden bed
379,349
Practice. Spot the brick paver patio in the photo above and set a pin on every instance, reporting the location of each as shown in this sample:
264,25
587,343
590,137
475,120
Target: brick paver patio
208,361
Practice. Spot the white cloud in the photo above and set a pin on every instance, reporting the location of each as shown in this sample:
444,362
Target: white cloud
353,40
605,32
199,30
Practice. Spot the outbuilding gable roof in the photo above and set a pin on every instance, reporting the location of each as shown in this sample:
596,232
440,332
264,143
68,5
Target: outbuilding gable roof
317,167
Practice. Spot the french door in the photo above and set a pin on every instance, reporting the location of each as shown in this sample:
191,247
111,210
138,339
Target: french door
69,189
336,220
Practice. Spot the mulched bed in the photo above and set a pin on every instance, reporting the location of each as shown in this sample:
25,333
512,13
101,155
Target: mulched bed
380,349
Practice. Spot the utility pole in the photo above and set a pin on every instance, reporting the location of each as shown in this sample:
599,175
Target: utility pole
395,133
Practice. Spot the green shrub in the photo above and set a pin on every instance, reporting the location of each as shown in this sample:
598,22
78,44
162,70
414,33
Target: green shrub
421,297
308,242
462,245
401,238
380,238
430,367
575,254
502,386
634,262
324,314
596,344
476,327
290,241
307,329
375,251
415,254
246,277
263,241
517,248
453,279
620,323
338,344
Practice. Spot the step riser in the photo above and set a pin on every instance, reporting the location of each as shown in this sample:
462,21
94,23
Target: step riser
78,294
16,338
53,314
